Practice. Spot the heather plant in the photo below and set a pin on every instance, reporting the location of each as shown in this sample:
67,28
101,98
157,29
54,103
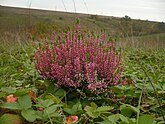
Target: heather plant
80,60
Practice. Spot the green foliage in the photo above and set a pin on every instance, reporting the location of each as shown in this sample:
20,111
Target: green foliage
52,104
75,109
8,89
55,104
29,115
25,102
10,119
146,119
94,112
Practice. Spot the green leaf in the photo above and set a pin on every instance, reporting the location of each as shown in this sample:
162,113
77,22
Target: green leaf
75,108
25,101
133,108
69,111
146,119
60,93
105,122
11,105
50,110
10,119
50,89
89,110
124,119
2,94
54,98
96,114
114,118
132,121
126,112
46,103
29,115
104,108
22,92
39,115
93,105
8,89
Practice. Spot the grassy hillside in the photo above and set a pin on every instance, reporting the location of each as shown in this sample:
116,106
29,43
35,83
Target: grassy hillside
40,23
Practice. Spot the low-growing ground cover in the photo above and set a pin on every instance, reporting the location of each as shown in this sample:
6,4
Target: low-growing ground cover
28,98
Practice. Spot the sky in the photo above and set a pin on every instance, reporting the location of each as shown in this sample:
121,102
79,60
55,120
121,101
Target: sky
153,10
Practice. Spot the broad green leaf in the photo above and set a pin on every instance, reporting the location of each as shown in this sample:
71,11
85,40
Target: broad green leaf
114,118
39,114
146,119
8,89
69,111
132,121
93,105
50,112
104,108
54,98
25,101
22,92
124,119
50,109
77,107
29,115
96,114
126,111
10,119
133,108
46,103
89,110
105,122
2,94
50,89
60,93
11,105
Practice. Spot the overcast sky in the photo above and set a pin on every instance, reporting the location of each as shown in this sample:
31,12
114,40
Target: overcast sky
139,9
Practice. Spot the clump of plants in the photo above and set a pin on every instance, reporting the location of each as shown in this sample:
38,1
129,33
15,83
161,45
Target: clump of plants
80,60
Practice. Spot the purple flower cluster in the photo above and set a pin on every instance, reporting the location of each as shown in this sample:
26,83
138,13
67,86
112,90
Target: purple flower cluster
78,59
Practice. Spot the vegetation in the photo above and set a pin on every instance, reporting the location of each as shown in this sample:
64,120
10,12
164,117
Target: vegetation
39,23
27,97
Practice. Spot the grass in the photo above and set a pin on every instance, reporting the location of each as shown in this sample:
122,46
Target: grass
134,103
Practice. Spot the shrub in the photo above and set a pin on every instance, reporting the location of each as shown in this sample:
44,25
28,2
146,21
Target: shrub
80,60
60,18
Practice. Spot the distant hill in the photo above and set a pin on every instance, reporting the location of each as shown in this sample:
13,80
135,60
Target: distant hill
43,22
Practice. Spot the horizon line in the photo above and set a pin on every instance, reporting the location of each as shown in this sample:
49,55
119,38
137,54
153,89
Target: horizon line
71,12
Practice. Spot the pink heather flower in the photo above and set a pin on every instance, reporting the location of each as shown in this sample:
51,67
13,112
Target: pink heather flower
79,59
90,72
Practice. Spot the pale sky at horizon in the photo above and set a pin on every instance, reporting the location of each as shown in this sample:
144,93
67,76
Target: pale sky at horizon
153,10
